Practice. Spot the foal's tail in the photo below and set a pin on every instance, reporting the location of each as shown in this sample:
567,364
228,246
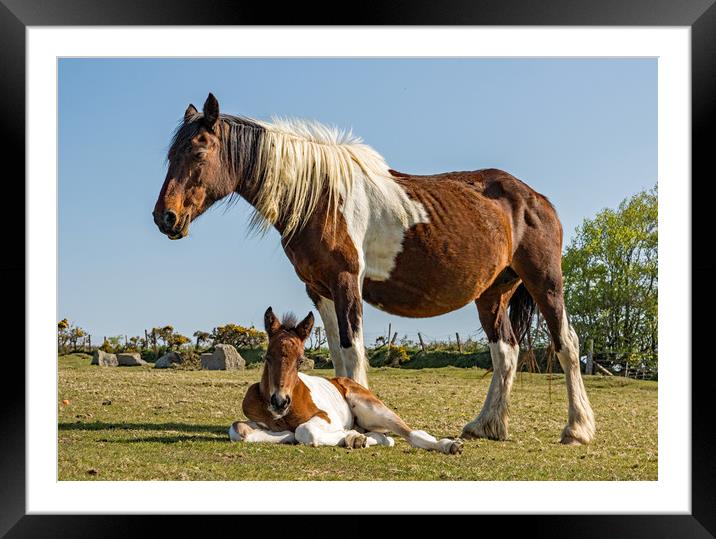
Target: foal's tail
522,309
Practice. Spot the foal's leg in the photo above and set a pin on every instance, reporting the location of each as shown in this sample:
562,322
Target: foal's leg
493,419
249,431
373,415
349,314
317,431
548,294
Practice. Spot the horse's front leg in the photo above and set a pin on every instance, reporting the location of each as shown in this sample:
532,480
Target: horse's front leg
327,310
349,315
250,431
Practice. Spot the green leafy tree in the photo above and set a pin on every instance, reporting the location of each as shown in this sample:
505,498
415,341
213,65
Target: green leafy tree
611,278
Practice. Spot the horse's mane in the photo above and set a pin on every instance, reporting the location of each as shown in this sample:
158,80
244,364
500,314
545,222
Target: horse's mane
303,162
295,163
289,320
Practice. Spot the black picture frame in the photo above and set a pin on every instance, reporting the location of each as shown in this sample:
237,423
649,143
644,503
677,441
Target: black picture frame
699,15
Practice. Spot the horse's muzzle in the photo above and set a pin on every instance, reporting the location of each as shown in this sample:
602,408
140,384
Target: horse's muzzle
170,225
279,403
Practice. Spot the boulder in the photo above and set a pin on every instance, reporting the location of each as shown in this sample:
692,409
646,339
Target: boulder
130,359
224,358
167,359
104,359
306,364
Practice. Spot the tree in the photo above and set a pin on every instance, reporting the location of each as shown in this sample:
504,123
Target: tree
164,334
238,336
63,327
178,340
611,278
318,338
69,336
201,336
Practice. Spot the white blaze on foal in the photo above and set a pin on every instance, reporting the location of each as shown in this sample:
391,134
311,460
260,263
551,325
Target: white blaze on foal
290,407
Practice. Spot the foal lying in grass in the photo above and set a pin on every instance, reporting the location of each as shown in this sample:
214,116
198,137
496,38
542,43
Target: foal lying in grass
291,407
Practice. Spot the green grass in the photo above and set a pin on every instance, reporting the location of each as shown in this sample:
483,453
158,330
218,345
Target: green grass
169,424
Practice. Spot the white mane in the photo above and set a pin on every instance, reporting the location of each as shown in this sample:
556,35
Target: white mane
302,160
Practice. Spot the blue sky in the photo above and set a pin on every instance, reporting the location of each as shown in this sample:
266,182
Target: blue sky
581,131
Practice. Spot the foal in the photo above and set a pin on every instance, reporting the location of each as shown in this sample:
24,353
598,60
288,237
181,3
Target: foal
291,407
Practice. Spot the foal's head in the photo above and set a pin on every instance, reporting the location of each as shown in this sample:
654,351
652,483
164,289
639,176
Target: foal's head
196,177
285,349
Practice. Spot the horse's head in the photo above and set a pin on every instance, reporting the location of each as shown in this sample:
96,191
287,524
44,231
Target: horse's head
285,349
195,177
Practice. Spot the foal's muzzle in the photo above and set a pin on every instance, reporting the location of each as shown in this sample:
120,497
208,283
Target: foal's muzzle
279,403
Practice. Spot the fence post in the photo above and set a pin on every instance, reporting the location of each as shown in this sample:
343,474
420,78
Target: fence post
459,344
589,367
422,344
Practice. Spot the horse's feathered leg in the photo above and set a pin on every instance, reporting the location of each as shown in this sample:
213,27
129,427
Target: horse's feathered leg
492,422
546,287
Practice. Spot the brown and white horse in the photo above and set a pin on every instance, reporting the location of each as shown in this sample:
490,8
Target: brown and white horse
413,246
288,406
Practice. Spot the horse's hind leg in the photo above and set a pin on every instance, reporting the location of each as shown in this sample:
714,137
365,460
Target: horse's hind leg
493,419
546,287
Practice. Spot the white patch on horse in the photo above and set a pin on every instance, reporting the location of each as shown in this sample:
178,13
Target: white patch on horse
354,358
377,214
316,431
327,309
326,397
258,435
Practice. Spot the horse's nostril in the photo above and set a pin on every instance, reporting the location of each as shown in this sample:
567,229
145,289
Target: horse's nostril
278,402
170,218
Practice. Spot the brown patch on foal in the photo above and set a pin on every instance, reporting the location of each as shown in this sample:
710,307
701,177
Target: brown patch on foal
280,375
255,408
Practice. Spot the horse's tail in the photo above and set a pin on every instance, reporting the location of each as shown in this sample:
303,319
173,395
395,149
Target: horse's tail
522,309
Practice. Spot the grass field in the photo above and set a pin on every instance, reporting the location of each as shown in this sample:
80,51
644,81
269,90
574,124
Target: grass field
140,423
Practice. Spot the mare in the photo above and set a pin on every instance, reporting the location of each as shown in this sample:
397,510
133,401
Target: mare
415,246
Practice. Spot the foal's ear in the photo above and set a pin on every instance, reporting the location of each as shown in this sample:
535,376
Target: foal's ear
271,323
190,112
211,111
303,330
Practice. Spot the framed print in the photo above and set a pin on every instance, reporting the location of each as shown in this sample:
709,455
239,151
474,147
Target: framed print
152,365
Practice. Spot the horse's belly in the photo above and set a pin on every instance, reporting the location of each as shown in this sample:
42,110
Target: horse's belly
442,266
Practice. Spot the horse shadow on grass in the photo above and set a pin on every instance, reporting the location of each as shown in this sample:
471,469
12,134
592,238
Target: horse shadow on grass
173,439
181,427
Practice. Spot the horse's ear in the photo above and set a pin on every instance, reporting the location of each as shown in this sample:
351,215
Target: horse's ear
271,323
190,112
211,111
303,330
